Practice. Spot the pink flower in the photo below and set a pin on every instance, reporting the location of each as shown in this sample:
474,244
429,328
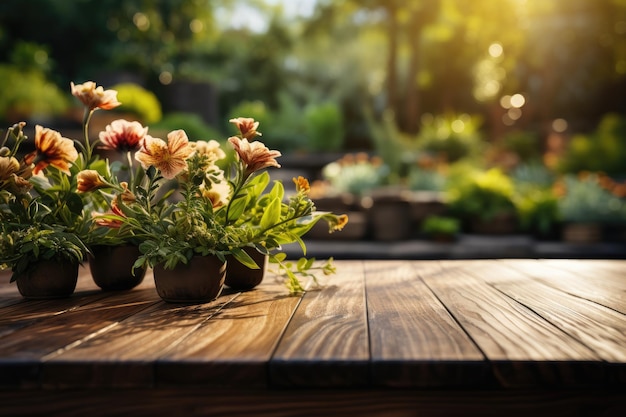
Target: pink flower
123,136
168,157
255,155
95,97
247,127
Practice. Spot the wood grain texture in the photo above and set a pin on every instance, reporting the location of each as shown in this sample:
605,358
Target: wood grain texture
200,402
125,354
413,339
523,348
601,285
384,338
326,342
235,346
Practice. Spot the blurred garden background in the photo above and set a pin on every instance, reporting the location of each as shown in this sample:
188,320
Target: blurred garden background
447,117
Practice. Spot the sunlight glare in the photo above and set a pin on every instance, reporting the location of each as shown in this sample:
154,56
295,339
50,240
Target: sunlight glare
517,100
495,50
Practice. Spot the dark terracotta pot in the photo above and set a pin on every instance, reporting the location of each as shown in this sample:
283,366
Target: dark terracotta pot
112,267
390,217
48,279
240,277
199,281
500,224
582,232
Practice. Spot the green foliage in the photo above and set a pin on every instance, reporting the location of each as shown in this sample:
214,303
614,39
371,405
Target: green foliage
602,150
324,127
425,179
585,200
451,137
482,195
535,199
192,124
356,174
441,225
28,94
283,128
524,143
538,210
40,216
138,101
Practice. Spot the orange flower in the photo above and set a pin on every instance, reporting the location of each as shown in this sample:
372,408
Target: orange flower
302,185
95,97
168,157
106,219
339,222
255,155
247,127
89,180
51,149
123,136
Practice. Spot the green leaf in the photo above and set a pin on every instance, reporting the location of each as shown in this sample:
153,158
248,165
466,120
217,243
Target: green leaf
237,208
244,258
271,215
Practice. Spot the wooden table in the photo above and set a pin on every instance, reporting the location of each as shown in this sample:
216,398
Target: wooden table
384,338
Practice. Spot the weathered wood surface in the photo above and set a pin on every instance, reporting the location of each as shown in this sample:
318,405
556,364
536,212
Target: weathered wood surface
493,332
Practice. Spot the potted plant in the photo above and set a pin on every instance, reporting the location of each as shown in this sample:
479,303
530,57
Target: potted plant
585,207
484,200
40,214
441,228
348,183
216,213
43,222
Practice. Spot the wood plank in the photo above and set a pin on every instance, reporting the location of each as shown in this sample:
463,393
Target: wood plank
326,342
200,402
523,348
594,325
124,355
413,339
235,345
605,287
22,354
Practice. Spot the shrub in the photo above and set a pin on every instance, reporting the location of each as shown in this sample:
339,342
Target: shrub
28,94
138,101
324,127
191,123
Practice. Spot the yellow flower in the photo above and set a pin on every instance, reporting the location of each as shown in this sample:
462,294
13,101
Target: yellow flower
89,180
218,193
51,149
123,136
210,149
95,97
9,178
247,127
8,166
168,157
255,155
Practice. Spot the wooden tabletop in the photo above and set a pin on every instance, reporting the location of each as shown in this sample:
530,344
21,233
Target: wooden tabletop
384,337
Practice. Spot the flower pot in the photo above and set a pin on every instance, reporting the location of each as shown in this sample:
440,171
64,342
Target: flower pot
199,281
500,224
48,279
112,267
240,277
582,232
390,217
